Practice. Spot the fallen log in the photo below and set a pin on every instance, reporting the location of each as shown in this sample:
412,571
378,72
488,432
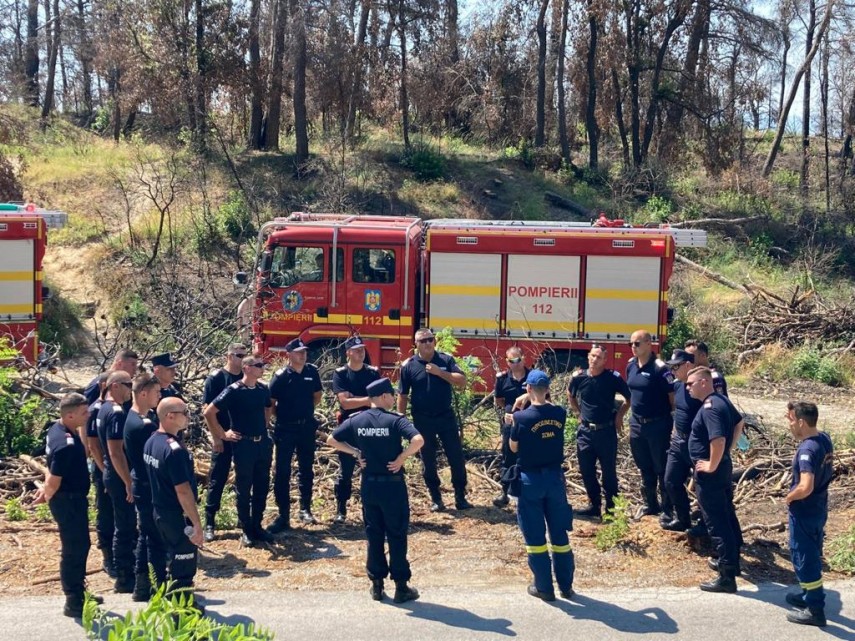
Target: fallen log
34,464
711,274
565,203
717,221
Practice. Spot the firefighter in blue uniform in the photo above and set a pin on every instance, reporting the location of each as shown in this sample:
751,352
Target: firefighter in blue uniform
701,352
66,491
425,381
715,429
221,451
138,428
296,391
103,505
679,467
373,437
125,360
807,507
164,369
591,395
117,476
349,384
651,384
173,494
249,407
510,385
537,437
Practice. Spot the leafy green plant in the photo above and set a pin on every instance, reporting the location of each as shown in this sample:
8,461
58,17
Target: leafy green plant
841,552
426,162
42,513
615,525
14,510
168,616
657,209
18,419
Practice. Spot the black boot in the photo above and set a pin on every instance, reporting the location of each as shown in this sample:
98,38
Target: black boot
796,599
591,510
107,563
807,617
73,606
341,512
377,589
714,565
460,501
502,500
124,584
724,583
142,588
436,501
280,524
210,526
403,592
676,525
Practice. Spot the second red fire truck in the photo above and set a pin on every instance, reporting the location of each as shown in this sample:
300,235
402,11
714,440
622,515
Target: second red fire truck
552,288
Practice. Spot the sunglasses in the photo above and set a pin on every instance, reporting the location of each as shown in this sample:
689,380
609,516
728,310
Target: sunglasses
427,340
185,412
258,365
690,383
514,361
240,355
127,384
637,343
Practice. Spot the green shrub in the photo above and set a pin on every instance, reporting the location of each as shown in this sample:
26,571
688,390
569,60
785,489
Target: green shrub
680,330
615,525
785,178
60,323
43,514
426,162
841,552
805,363
235,218
657,209
14,510
19,420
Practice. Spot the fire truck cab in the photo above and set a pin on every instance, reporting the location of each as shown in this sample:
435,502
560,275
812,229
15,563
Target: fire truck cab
552,288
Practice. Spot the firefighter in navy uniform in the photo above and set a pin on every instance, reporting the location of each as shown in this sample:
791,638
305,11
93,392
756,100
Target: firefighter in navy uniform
349,384
138,428
66,491
651,384
164,369
117,476
249,407
221,451
716,426
125,360
103,505
807,507
173,494
373,437
591,395
701,353
678,468
426,380
296,391
510,385
537,436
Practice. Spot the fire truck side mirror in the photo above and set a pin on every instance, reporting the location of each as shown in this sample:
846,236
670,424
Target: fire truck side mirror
46,293
240,279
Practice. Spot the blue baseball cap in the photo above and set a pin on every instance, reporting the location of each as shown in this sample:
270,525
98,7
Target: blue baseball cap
680,356
295,345
353,341
164,360
537,378
379,387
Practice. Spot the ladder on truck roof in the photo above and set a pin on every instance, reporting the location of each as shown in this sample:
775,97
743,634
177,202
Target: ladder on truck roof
53,219
682,237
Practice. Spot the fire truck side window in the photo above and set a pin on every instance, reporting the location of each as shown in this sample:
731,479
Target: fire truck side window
292,265
373,266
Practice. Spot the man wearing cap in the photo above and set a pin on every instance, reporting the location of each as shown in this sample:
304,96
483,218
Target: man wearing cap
716,426
651,385
66,492
173,494
164,369
373,437
104,521
349,384
701,353
426,380
591,395
125,360
537,437
138,428
296,390
678,468
510,385
117,476
221,451
248,404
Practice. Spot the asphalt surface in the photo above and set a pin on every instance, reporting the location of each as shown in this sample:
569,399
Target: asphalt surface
755,613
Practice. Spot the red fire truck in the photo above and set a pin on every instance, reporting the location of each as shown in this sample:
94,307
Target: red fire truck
23,239
552,288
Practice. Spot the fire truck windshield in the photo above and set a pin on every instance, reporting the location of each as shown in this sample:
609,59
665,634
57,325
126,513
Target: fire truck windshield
292,265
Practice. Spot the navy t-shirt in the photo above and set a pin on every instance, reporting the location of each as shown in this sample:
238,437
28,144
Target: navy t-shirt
539,430
92,421
354,381
214,386
716,419
509,389
168,464
814,455
111,427
650,386
295,393
429,394
596,394
377,434
685,410
92,391
66,457
136,432
245,406
173,390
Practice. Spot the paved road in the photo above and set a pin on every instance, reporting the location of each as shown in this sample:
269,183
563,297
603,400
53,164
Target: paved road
753,615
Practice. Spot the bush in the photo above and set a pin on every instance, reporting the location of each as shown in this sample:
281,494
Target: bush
18,418
235,218
657,209
60,324
14,510
841,552
426,162
680,330
615,525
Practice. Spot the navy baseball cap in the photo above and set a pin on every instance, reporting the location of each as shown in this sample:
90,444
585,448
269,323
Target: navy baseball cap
680,356
380,387
353,341
295,345
537,378
164,360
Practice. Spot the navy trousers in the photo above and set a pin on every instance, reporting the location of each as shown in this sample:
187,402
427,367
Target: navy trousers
715,496
807,533
593,446
386,512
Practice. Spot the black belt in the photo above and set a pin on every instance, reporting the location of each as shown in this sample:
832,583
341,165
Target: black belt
645,420
70,495
595,427
254,439
298,421
381,478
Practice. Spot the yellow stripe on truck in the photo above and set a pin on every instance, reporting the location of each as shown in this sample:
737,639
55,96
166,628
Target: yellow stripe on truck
569,326
618,328
17,309
623,294
17,275
465,290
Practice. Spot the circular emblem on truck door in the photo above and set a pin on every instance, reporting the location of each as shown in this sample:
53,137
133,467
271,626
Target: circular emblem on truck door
292,301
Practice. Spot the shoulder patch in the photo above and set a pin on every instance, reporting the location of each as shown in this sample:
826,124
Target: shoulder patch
660,363
804,457
146,421
715,374
236,385
215,371
406,361
279,372
372,368
576,373
632,360
343,368
173,444
708,404
118,409
616,373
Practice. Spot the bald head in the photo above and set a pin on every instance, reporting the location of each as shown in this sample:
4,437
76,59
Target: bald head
173,414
